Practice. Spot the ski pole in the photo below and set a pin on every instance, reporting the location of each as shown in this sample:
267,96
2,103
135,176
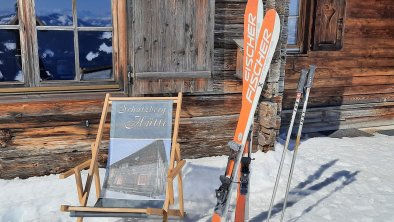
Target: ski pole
300,90
308,87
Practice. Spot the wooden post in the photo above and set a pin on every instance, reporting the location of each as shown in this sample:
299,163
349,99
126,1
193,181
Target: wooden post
95,150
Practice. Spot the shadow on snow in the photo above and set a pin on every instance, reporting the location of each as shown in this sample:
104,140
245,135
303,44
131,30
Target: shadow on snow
301,190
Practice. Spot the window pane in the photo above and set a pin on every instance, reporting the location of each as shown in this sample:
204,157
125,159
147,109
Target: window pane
94,13
95,55
292,30
54,13
56,55
10,56
8,10
294,7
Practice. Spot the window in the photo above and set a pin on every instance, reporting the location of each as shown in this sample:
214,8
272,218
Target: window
10,50
67,44
327,26
143,180
297,26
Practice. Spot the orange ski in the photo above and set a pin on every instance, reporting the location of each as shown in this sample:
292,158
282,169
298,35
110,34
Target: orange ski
256,64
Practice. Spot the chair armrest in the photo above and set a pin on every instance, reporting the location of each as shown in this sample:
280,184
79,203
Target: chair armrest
70,172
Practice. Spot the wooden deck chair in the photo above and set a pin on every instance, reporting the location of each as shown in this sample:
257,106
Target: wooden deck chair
142,164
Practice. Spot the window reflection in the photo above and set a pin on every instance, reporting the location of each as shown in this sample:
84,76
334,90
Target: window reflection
54,13
292,31
56,48
294,7
10,56
292,27
8,12
95,55
56,55
94,13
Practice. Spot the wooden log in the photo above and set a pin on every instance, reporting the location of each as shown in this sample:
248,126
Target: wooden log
376,9
345,91
343,100
85,113
346,81
337,72
206,136
349,123
321,116
370,27
343,62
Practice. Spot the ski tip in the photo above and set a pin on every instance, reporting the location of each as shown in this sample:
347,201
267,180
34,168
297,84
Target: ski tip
272,13
272,17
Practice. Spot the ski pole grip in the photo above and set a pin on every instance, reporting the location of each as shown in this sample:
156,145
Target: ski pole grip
311,75
301,82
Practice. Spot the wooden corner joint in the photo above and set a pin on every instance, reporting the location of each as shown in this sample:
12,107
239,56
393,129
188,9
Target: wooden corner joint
175,171
64,208
79,167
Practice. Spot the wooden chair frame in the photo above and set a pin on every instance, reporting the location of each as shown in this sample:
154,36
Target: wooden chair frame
175,166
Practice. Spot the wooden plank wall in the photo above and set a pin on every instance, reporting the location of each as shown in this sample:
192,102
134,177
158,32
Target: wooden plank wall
43,134
354,87
171,37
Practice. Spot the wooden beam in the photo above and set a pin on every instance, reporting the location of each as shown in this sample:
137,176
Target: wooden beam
122,44
70,172
151,211
97,182
174,75
48,89
95,150
78,181
66,208
180,195
175,99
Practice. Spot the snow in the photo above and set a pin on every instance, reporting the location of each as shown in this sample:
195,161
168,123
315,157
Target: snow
6,20
63,19
91,55
348,179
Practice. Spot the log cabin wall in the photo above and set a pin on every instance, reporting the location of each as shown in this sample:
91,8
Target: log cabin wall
354,87
49,133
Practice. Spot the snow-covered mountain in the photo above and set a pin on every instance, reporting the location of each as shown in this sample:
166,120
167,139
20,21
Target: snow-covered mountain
65,19
5,18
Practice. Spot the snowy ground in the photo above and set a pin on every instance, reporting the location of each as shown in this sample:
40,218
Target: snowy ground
348,179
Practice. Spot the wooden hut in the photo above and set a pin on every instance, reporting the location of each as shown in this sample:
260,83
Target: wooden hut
161,47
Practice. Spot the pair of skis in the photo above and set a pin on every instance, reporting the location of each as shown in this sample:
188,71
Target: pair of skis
308,77
260,40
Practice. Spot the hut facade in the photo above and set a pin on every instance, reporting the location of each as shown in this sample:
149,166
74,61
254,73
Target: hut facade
57,65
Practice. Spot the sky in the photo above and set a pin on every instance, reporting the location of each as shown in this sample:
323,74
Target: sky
99,7
121,148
